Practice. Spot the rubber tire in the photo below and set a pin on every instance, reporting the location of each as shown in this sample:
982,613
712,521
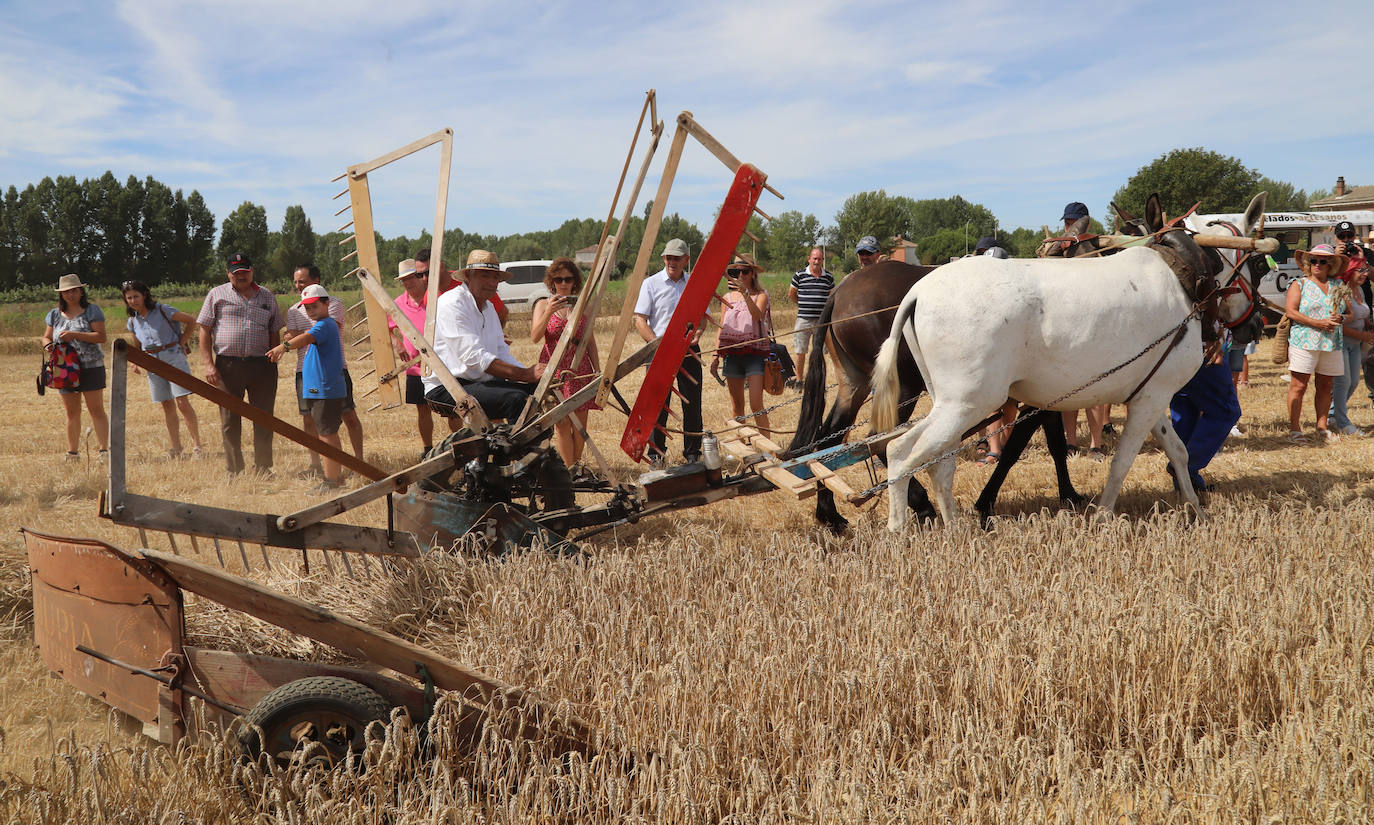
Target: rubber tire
555,484
329,698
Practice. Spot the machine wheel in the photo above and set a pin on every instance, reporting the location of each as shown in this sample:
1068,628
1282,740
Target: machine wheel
329,711
555,490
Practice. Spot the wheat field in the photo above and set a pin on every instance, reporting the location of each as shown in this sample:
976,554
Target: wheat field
1148,667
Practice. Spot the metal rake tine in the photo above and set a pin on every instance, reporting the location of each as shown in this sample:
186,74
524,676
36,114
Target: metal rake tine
219,553
243,553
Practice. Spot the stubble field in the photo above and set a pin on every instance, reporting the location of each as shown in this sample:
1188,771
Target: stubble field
1057,667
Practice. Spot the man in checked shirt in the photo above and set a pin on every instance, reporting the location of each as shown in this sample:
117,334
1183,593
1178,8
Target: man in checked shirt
239,322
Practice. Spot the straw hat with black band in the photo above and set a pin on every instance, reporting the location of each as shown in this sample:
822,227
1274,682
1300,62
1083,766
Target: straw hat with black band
480,260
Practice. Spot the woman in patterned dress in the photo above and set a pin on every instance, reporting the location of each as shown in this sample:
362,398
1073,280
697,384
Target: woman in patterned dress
1314,342
564,280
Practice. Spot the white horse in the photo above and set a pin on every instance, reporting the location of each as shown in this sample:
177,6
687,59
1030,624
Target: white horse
983,330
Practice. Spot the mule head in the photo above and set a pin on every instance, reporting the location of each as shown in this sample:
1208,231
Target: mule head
1154,214
1253,213
1126,224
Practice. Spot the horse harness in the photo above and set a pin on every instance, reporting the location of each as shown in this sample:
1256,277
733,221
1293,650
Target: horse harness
1200,286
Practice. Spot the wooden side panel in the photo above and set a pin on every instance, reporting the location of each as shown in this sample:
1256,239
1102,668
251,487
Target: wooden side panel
86,592
242,679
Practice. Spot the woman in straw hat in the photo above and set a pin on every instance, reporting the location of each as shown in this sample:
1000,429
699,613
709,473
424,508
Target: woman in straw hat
1315,342
746,330
80,323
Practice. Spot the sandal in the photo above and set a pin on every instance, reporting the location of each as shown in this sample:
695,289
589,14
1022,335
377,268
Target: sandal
1097,454
1296,437
990,458
73,455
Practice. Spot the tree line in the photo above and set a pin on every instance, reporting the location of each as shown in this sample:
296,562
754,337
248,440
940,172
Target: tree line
108,232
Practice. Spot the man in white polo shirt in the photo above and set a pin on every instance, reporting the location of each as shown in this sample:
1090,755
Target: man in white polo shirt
469,340
654,308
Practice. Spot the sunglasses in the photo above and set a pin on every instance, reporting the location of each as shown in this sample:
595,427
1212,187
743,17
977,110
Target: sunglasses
1311,262
866,254
737,272
126,286
565,280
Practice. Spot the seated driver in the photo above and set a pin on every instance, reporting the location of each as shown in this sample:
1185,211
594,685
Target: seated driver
469,340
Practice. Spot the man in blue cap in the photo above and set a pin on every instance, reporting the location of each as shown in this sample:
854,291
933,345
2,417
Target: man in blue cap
1073,213
867,250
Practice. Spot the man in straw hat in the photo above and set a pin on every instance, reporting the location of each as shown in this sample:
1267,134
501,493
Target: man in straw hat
469,340
658,299
239,322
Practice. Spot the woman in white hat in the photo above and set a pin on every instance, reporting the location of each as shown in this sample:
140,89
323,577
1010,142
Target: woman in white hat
1315,342
79,323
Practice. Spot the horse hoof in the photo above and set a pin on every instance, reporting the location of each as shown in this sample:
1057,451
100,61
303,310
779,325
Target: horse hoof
836,526
1074,502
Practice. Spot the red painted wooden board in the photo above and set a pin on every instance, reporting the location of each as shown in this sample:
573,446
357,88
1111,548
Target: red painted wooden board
696,300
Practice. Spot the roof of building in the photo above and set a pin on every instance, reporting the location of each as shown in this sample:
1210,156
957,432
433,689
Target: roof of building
1356,197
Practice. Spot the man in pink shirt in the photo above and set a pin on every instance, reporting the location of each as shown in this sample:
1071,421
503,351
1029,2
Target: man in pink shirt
411,302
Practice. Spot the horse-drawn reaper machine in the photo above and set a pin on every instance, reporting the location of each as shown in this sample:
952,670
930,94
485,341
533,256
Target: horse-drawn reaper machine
111,621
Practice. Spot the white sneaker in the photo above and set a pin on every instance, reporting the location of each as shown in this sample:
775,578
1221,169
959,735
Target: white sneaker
1236,433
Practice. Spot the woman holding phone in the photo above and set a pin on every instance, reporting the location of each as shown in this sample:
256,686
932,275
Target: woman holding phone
564,281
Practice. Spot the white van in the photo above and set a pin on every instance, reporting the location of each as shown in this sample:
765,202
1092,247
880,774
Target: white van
524,283
1294,230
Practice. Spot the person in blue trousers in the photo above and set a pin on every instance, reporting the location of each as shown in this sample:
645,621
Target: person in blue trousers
1203,413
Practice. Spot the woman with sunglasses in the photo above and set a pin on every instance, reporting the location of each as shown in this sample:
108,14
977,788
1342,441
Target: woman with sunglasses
564,280
1315,342
164,332
746,329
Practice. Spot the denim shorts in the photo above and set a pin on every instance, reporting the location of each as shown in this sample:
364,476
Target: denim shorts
743,366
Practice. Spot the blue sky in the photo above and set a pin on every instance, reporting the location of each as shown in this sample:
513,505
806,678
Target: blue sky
1012,105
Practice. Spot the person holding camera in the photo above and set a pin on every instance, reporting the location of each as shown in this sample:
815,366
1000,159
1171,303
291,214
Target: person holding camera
564,280
1315,343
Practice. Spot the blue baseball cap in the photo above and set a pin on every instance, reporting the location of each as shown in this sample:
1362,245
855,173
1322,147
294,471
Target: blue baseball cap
867,243
1074,211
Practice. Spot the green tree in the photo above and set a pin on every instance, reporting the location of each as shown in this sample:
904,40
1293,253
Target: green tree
199,262
791,235
944,245
244,232
1183,177
296,245
521,248
932,215
9,239
156,239
872,213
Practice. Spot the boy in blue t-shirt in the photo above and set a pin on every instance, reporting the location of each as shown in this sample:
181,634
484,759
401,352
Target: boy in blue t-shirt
322,375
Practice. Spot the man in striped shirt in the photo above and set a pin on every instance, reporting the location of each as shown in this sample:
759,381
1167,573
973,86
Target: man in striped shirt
809,290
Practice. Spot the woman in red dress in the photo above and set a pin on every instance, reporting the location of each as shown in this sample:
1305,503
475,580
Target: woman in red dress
564,281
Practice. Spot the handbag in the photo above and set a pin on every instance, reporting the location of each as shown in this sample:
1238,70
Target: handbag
772,375
1280,353
62,369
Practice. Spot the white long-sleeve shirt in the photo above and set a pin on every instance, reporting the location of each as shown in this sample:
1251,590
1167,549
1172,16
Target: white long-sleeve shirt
467,339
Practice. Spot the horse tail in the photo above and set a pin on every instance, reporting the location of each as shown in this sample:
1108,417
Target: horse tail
813,389
886,383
